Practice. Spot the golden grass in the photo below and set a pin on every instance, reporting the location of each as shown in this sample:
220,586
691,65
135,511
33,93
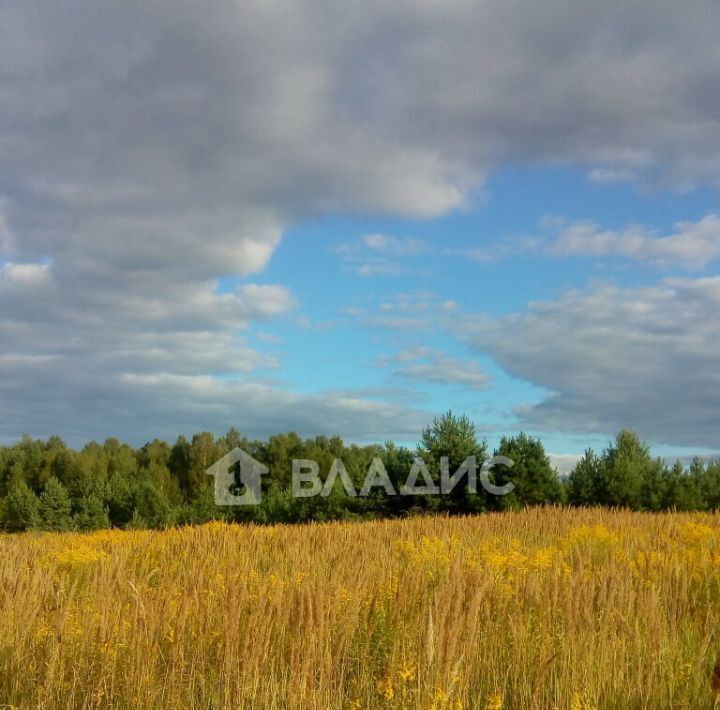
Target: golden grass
571,609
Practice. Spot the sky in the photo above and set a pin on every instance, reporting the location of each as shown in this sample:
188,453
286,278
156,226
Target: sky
346,220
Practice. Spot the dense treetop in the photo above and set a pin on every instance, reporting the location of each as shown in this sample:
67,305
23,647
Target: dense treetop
46,485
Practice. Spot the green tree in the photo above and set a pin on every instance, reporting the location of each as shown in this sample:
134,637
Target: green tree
234,439
151,506
534,478
631,477
179,463
55,506
398,460
189,461
119,499
121,459
681,489
91,514
28,462
709,482
203,509
21,508
453,437
278,455
584,480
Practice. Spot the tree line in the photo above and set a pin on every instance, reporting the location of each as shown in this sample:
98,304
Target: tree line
46,485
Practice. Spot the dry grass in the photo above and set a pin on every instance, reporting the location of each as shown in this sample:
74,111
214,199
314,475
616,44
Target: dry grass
539,609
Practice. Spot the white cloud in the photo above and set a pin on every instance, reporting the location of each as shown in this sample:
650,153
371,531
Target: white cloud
416,311
432,366
692,245
505,249
263,301
608,176
380,254
610,357
564,463
394,245
22,274
377,267
268,338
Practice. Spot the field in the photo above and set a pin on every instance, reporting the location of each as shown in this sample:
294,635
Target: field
571,609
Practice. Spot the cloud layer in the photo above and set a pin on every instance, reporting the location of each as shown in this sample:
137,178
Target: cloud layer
149,148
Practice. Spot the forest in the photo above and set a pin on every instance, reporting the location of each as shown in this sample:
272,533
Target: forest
47,485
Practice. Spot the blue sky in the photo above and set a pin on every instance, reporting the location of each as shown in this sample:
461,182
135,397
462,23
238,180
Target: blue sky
324,344
352,222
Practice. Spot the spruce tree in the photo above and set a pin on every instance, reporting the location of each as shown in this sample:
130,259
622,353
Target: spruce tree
21,509
55,506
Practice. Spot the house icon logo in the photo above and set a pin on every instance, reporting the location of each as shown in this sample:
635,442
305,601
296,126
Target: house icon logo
238,479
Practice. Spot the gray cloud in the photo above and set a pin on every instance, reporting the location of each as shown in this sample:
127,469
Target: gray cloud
610,357
173,404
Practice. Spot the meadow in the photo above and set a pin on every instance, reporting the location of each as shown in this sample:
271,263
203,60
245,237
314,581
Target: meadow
543,608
